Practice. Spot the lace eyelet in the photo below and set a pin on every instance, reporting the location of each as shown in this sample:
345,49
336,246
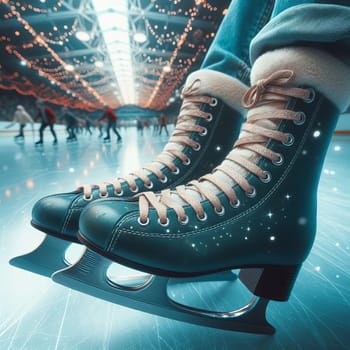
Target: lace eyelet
312,96
203,132
209,117
163,179
176,171
203,218
149,186
134,190
185,221
214,102
165,224
235,205
301,120
119,193
289,141
252,193
187,161
197,147
279,161
143,223
220,212
266,178
88,198
103,195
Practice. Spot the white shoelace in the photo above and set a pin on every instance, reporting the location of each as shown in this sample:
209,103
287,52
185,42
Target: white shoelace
186,124
272,90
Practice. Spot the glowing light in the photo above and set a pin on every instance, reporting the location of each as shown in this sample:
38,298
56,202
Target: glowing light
69,68
337,148
156,86
114,23
30,184
317,133
82,36
140,37
302,221
99,64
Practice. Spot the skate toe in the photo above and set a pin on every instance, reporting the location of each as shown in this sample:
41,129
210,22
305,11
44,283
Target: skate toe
99,221
53,215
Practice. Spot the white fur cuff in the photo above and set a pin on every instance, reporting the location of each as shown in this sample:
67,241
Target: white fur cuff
212,83
312,67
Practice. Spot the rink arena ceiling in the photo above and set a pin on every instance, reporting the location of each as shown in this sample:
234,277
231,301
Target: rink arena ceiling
86,53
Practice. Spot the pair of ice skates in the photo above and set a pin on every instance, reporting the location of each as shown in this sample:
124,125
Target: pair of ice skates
253,207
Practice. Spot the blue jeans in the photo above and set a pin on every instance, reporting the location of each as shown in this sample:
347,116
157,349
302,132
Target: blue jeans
252,27
229,51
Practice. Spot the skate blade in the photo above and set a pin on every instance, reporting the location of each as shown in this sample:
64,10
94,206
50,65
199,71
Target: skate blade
44,260
149,293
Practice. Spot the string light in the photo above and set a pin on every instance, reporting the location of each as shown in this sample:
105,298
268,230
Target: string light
40,41
87,84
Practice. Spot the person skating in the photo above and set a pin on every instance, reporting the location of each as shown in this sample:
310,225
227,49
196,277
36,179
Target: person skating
163,124
47,118
22,117
71,124
112,119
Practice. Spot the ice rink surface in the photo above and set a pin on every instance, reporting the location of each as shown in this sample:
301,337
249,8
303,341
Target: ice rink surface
36,313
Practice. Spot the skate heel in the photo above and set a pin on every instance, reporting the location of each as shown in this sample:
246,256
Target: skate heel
270,282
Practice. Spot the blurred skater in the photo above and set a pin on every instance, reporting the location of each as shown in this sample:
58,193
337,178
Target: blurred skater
139,125
48,118
155,123
112,123
88,125
71,124
22,117
162,124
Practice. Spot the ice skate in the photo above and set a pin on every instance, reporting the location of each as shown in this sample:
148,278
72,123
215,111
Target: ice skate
208,123
256,211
